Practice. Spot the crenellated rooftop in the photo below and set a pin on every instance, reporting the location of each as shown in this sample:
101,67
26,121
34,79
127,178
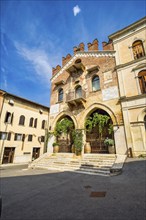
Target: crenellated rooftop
92,47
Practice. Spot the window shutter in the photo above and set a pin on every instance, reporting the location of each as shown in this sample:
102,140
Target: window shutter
9,136
15,137
23,137
12,118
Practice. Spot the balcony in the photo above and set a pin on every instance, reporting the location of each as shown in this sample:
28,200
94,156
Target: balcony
75,98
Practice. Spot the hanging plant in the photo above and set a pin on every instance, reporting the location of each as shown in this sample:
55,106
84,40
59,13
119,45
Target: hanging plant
100,121
89,124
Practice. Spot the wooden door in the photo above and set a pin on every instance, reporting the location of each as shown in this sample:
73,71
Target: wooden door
8,155
35,153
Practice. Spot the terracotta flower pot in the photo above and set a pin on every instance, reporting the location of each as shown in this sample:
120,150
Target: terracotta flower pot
56,149
87,148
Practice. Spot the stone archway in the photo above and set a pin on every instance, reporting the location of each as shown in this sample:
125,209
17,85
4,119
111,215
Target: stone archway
94,137
66,125
62,115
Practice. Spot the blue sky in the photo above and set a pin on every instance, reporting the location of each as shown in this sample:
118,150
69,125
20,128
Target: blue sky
36,34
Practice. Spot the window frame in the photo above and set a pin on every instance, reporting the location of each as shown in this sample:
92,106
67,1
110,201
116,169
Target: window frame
43,124
60,95
22,120
78,91
142,81
31,122
136,54
95,82
30,137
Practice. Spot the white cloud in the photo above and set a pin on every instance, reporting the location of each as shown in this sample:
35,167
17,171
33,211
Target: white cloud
38,58
4,82
76,10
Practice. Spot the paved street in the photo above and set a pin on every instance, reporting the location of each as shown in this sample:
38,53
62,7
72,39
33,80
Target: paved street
51,195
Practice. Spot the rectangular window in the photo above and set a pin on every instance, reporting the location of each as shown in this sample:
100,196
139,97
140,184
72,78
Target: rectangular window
29,137
18,137
9,118
3,135
42,138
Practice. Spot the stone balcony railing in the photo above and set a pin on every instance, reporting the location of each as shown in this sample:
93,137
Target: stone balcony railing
73,96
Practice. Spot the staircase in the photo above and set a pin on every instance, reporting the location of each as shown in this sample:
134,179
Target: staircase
95,164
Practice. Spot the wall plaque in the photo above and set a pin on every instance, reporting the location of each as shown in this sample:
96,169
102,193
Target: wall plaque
54,109
110,93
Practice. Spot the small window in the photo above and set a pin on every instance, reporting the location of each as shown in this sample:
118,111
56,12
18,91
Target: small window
35,123
43,124
95,83
29,137
142,81
60,95
18,137
138,49
3,135
78,92
9,117
31,122
42,138
22,120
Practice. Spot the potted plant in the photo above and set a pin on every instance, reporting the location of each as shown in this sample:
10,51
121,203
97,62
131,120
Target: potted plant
110,144
78,141
55,147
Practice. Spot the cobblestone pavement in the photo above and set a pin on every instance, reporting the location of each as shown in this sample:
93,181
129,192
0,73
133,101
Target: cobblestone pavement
48,195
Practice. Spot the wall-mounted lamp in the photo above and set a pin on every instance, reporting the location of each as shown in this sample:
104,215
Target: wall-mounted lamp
11,102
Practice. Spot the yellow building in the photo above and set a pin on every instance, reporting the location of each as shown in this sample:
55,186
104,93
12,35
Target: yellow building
24,125
130,46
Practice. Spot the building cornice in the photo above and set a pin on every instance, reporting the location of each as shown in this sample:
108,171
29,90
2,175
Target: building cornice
125,30
130,63
6,94
80,54
124,98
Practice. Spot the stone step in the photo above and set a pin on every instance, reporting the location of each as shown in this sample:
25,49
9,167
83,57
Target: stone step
97,164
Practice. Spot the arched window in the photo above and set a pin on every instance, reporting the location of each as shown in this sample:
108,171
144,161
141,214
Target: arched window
35,123
43,124
138,49
142,81
22,120
31,122
95,83
60,95
78,92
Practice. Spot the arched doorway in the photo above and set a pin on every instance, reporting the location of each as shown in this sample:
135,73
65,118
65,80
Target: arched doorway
63,133
96,135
